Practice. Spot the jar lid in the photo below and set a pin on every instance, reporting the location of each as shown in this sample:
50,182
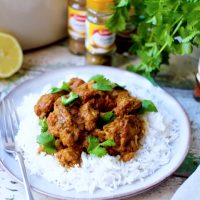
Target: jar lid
104,6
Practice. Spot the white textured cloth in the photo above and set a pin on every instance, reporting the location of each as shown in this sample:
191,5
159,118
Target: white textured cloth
190,189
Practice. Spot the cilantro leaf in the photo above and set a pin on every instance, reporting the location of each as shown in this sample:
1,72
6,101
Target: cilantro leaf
107,117
71,99
64,87
100,79
117,21
93,143
47,141
45,138
43,124
96,148
102,86
98,151
108,143
49,149
147,106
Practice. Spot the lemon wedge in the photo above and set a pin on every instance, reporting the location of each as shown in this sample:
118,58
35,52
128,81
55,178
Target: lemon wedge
11,55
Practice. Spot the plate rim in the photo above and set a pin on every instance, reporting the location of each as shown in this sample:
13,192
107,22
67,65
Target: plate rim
118,196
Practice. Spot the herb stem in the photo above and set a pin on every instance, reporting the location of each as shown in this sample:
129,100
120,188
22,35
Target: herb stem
177,27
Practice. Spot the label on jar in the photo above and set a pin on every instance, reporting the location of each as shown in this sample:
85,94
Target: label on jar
99,39
76,23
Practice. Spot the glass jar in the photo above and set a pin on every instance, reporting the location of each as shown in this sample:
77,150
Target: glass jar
76,26
100,42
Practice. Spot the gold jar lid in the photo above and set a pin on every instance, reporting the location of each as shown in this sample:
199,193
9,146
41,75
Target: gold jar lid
104,6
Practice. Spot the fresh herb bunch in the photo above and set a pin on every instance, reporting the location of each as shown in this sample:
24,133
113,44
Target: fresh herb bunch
163,27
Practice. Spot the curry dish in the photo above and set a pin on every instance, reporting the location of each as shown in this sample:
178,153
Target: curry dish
72,124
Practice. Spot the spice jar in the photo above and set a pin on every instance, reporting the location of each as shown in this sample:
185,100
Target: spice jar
76,26
100,42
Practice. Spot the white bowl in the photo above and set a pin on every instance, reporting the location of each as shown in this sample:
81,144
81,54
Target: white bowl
34,22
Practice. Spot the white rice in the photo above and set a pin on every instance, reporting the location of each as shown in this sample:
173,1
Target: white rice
107,173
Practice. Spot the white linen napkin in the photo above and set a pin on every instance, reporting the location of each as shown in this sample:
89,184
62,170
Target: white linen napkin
190,189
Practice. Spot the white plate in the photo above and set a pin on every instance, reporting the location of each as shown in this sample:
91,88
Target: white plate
180,148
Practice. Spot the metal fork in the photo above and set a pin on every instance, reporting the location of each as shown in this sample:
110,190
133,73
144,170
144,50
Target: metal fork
9,126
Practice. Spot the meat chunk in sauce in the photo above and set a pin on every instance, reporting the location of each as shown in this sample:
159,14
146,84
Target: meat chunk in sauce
125,102
126,131
89,115
71,125
87,92
69,156
45,104
63,124
75,83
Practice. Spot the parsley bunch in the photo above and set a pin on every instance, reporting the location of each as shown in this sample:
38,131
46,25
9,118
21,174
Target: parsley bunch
163,27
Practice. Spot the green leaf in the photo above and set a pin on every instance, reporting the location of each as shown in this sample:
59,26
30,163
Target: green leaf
96,148
107,117
117,21
108,143
49,149
99,152
64,87
45,138
102,86
93,143
123,3
43,124
147,106
103,83
100,79
71,99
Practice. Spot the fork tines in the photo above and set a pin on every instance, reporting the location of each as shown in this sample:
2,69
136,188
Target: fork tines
9,120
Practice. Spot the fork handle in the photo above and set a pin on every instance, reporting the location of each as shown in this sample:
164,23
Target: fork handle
24,176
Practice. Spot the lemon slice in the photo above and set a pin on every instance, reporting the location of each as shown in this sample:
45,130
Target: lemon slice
11,55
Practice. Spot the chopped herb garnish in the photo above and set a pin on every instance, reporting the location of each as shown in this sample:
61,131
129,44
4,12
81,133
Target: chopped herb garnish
103,83
46,139
108,143
147,106
49,149
100,79
64,87
102,86
43,124
107,117
98,149
71,99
